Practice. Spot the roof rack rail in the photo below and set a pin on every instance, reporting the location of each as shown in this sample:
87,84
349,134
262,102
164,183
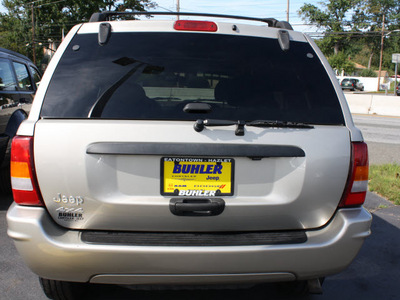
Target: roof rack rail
106,16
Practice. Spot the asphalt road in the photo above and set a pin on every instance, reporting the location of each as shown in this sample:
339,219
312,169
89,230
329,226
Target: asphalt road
382,135
375,273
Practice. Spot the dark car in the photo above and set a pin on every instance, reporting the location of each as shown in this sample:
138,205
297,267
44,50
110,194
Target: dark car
19,78
398,89
352,84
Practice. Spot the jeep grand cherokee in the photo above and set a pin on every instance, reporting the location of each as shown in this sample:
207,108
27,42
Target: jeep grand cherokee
187,152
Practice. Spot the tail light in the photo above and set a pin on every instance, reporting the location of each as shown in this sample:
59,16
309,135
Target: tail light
357,183
23,176
188,25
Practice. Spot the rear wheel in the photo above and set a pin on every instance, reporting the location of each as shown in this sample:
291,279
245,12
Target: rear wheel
293,288
63,290
301,287
5,180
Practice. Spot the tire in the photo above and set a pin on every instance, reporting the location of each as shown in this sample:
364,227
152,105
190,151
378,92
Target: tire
293,288
297,288
5,177
5,180
63,290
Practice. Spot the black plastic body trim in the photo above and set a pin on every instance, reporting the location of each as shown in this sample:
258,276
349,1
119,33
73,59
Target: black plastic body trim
179,149
196,207
193,239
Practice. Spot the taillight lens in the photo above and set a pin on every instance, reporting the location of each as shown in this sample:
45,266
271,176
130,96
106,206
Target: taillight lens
357,183
23,178
188,25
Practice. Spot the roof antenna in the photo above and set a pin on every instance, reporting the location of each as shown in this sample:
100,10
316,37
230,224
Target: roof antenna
104,33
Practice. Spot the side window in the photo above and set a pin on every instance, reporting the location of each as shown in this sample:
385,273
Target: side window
36,75
7,81
24,82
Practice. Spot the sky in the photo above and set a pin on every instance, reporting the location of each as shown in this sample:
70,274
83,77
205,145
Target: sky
250,8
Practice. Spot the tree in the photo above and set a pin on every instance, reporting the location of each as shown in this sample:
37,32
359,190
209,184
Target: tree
341,62
355,28
374,16
334,18
51,19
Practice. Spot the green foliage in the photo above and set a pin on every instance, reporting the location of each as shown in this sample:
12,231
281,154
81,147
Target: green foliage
385,180
341,62
51,19
334,18
368,73
354,27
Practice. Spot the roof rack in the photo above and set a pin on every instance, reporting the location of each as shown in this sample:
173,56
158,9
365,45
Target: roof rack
106,16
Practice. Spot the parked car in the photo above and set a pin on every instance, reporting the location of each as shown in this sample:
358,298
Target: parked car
18,83
174,153
398,89
352,84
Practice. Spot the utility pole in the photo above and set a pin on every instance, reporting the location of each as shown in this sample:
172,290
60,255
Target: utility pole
381,57
177,8
287,11
33,35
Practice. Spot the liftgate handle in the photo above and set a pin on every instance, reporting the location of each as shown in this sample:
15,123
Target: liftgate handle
196,207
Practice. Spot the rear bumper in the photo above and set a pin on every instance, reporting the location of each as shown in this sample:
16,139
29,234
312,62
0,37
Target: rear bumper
56,253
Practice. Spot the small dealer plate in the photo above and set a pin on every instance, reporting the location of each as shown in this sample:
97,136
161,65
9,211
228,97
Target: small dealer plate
197,177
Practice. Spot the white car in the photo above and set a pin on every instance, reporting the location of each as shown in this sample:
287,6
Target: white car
175,153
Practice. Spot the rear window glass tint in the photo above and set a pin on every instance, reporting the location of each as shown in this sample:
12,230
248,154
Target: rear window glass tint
7,81
36,75
24,81
152,76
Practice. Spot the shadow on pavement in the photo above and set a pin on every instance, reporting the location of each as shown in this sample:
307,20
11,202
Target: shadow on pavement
265,291
375,272
5,201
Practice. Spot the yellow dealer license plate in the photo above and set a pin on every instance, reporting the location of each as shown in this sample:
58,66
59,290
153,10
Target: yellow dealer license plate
197,177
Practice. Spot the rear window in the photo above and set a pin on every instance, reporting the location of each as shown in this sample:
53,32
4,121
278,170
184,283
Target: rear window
153,76
7,81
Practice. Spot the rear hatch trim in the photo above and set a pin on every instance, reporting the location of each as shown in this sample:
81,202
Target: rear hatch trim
178,149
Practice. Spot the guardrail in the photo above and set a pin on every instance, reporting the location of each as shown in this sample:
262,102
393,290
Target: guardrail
374,104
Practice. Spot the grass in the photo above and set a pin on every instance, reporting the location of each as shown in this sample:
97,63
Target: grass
385,181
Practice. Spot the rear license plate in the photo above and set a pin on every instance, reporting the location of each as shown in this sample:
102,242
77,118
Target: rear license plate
197,177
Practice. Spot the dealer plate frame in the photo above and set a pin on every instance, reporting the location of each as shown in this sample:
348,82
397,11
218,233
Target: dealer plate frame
206,161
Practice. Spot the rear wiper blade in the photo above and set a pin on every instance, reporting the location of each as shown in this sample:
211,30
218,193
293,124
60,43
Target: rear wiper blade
278,124
200,124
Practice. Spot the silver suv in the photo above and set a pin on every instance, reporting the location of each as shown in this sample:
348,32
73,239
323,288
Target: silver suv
184,153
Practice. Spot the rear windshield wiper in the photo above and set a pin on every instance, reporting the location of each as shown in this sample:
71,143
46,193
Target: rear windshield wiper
278,124
199,125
